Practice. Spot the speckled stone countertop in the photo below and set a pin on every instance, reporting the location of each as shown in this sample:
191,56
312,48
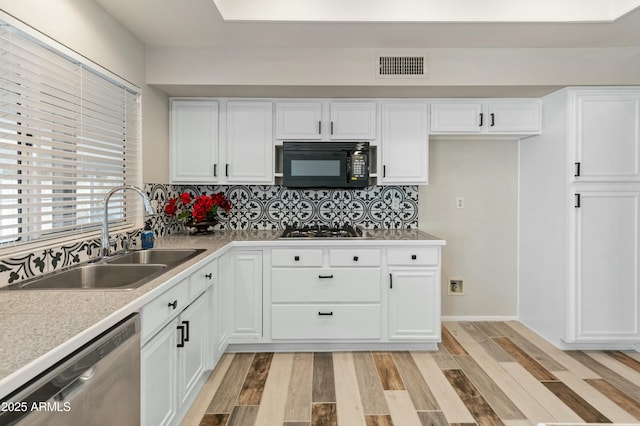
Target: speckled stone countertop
39,327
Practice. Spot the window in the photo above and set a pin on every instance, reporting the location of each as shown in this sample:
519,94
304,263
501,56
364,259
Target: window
68,134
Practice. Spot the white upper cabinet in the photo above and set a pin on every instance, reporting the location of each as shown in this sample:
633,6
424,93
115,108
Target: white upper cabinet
249,142
299,120
508,117
404,144
324,120
606,140
194,141
353,120
456,117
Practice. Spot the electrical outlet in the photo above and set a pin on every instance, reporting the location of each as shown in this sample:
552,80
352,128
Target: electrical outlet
460,202
456,286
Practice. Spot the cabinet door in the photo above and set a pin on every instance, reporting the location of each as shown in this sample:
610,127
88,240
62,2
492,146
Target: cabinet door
353,120
298,120
192,356
414,303
457,117
605,295
249,142
513,117
158,378
404,144
244,270
607,139
194,141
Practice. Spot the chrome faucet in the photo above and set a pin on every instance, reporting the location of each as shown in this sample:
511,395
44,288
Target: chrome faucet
104,246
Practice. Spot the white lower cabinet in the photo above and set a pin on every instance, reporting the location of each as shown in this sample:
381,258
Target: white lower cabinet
414,303
159,375
242,270
606,289
172,363
337,294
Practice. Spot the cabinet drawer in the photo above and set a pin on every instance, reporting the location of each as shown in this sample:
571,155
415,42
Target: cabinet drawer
202,279
296,257
325,285
354,257
163,308
423,256
325,321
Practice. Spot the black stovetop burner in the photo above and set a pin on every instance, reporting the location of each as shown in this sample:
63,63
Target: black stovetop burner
323,231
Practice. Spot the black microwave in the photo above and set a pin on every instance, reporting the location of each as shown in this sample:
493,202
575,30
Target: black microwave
325,164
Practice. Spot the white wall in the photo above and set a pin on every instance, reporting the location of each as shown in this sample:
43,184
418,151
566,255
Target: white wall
356,67
481,237
87,29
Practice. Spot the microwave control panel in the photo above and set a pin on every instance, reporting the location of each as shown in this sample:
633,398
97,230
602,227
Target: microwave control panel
358,167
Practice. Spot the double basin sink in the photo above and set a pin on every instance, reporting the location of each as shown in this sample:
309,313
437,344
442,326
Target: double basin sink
120,272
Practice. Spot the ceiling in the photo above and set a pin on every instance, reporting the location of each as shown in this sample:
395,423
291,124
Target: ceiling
198,23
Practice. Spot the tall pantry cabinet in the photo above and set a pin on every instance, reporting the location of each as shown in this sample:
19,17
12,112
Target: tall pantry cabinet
579,212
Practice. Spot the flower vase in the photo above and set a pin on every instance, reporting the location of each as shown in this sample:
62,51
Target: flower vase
203,227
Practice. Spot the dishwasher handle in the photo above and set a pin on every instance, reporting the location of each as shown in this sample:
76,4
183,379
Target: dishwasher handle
75,387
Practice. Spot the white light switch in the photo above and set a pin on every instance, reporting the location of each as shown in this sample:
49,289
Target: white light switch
460,203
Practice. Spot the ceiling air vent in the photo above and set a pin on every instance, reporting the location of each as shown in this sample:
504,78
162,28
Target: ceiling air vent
402,67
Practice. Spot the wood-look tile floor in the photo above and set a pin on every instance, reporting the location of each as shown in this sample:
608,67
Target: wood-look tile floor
484,373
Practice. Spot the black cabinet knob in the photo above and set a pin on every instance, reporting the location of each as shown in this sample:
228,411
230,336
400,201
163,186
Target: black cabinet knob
209,275
355,258
414,257
173,304
296,258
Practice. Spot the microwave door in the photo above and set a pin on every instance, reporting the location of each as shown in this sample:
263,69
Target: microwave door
320,169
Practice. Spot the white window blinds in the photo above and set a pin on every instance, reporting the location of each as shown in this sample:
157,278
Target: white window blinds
67,136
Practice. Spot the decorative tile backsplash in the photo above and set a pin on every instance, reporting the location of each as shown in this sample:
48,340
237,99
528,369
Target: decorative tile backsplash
254,207
275,207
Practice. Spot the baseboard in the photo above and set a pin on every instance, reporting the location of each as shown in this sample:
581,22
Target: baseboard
479,318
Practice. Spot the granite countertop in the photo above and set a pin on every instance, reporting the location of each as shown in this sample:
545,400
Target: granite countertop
39,327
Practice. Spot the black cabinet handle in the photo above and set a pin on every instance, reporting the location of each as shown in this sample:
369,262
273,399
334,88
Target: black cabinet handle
186,330
355,258
173,304
209,275
414,257
325,276
215,170
493,119
577,169
390,281
332,127
319,127
226,170
384,171
577,203
181,342
296,258
481,119
325,313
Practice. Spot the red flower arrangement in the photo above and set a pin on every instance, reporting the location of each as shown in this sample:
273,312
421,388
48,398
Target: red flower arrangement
199,208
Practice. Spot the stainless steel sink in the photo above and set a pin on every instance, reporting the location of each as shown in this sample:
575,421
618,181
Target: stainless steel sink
155,256
121,272
94,276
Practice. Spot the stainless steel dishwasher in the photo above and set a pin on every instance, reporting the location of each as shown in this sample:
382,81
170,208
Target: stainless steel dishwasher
99,384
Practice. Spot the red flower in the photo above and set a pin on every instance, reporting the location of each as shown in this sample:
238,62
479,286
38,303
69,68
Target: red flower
171,207
200,207
185,197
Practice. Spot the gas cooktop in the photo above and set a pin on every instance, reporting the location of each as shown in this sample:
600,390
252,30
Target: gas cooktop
323,231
